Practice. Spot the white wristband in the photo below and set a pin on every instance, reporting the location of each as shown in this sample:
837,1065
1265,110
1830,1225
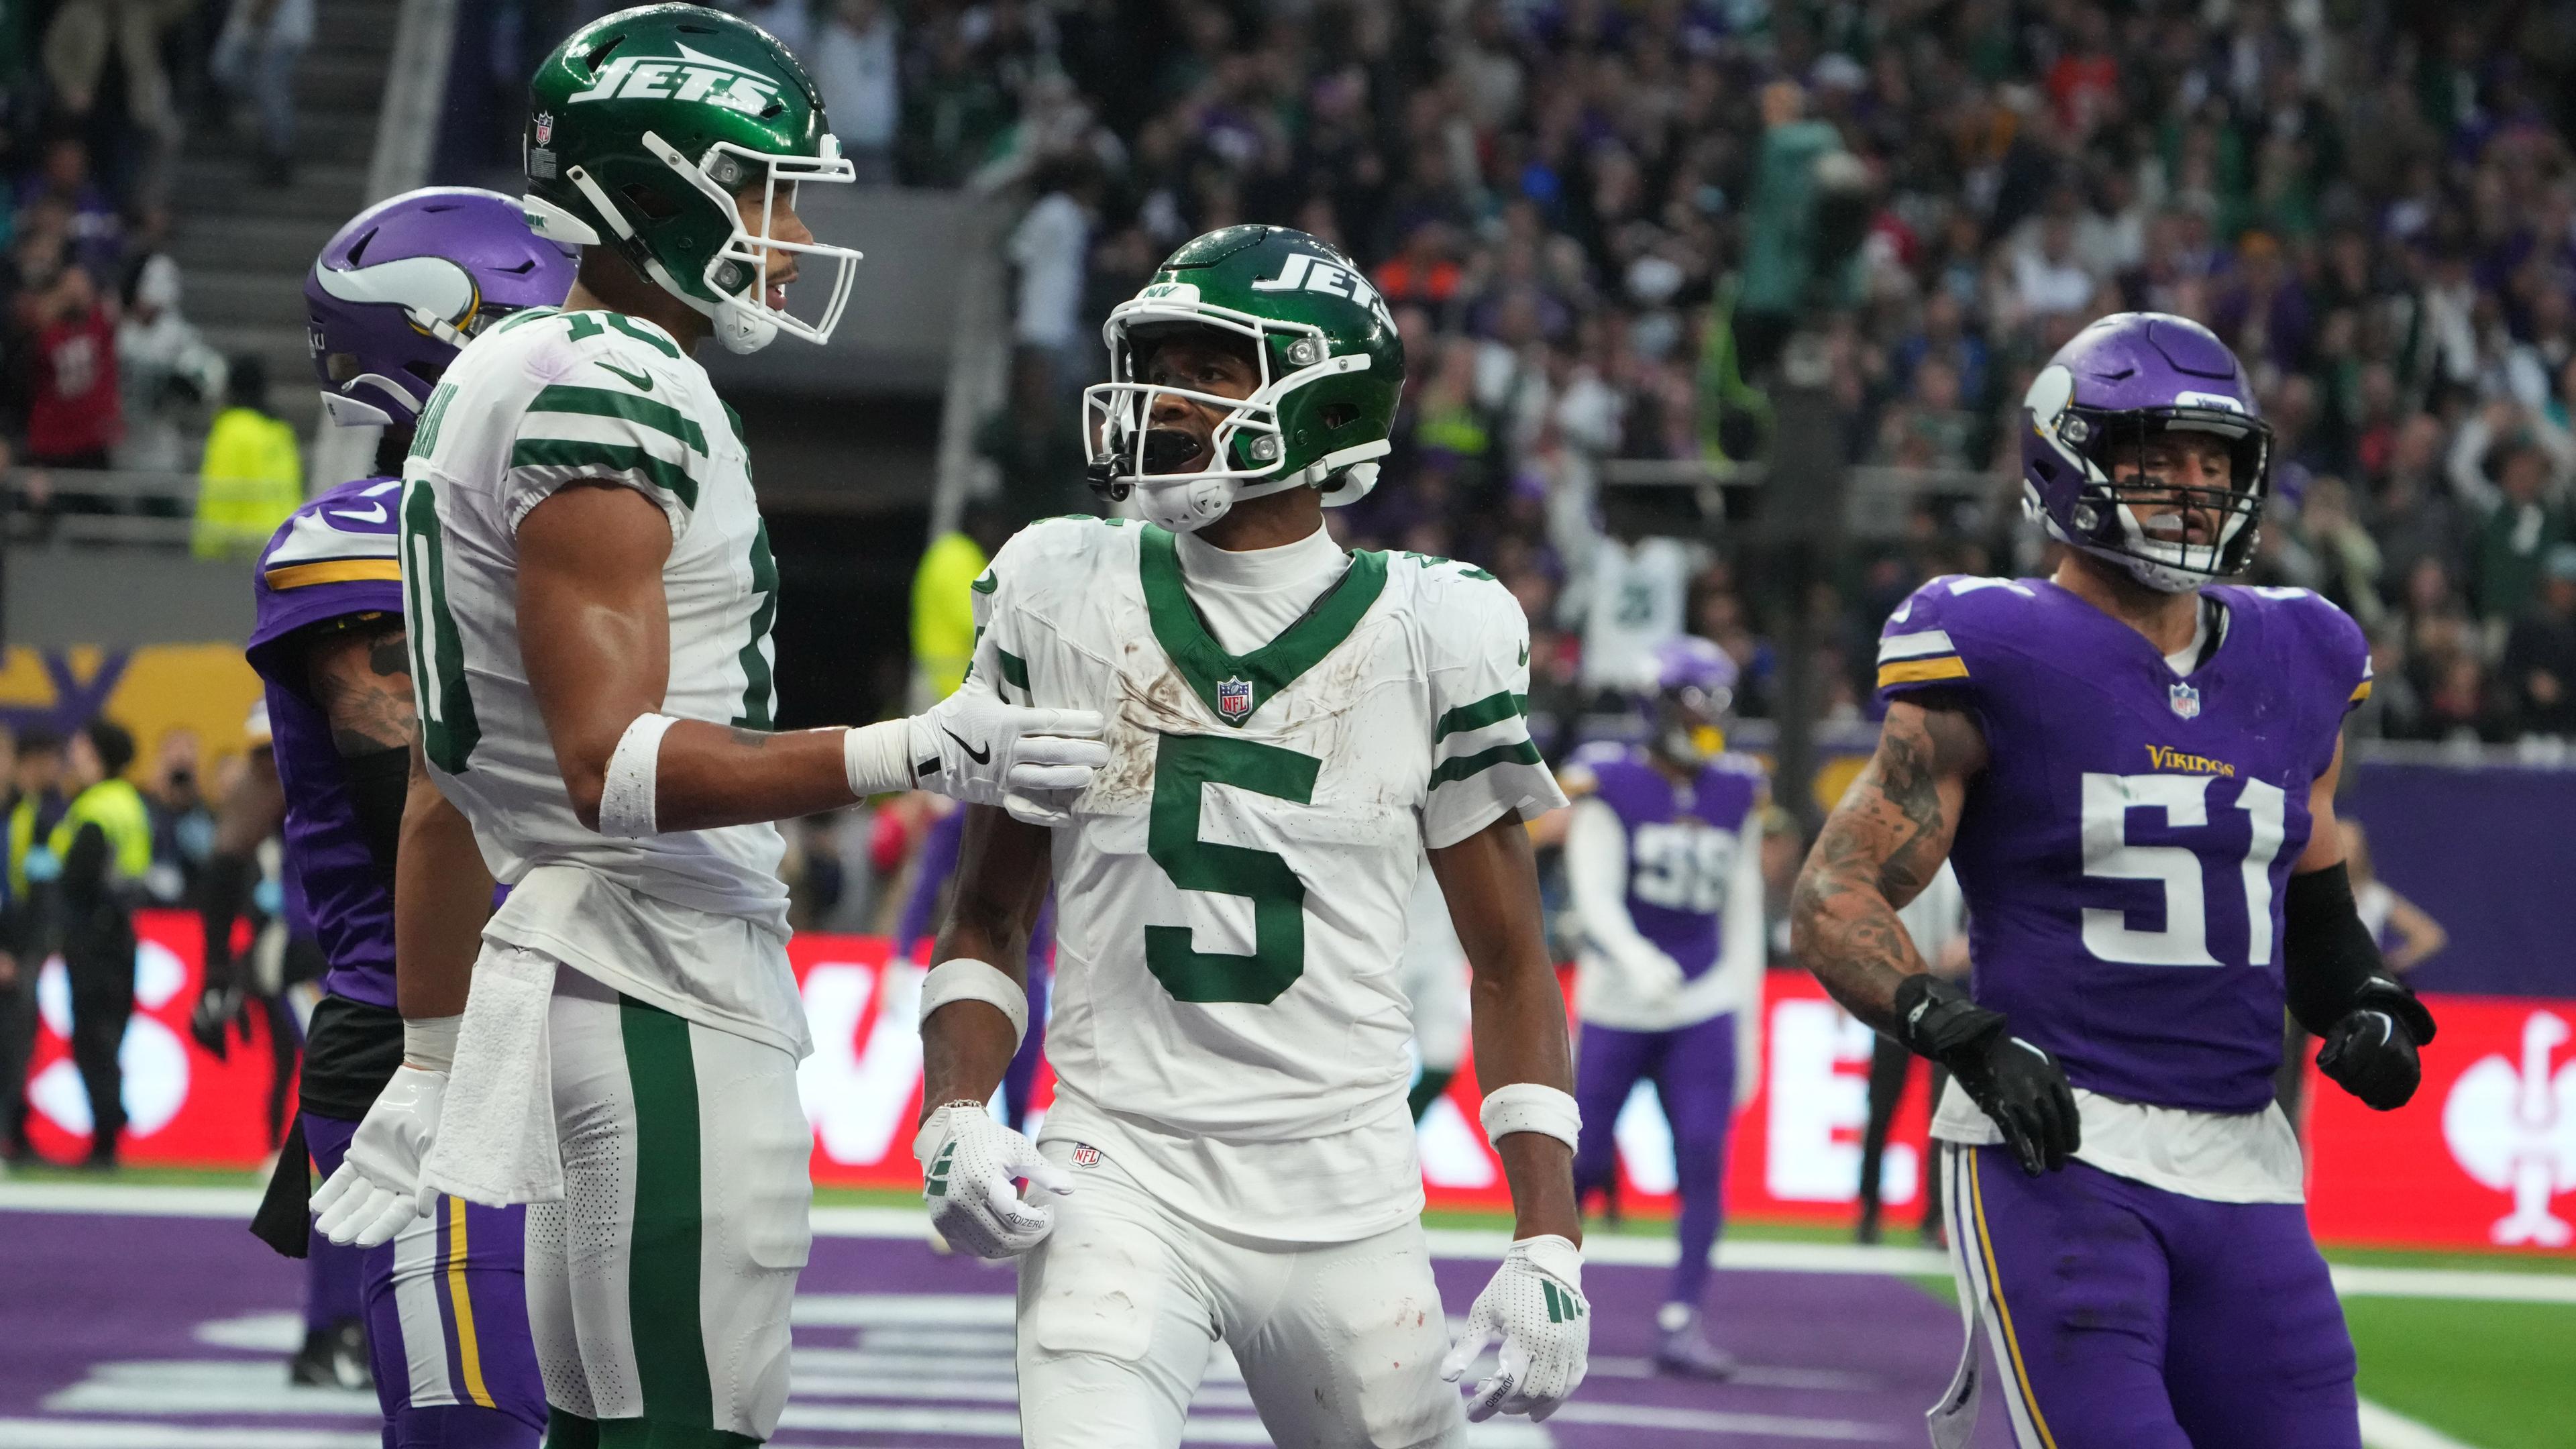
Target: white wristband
1530,1107
967,979
626,803
878,757
429,1042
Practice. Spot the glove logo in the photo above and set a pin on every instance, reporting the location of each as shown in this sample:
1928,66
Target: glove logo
2513,1128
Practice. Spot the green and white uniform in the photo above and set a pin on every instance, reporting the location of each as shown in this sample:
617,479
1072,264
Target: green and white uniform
1288,730
680,937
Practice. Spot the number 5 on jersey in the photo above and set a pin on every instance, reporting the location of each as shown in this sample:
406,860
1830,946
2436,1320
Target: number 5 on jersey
1184,767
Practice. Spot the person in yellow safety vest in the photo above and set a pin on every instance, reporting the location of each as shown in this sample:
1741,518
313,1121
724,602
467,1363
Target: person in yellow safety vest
35,804
943,607
105,845
252,479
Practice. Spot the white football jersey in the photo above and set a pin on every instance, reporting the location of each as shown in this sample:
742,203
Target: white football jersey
544,399
1228,1020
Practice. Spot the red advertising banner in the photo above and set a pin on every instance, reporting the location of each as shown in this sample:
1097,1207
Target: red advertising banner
2480,1158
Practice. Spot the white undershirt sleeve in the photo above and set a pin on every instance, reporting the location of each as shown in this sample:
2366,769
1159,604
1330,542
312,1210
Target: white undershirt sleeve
1596,868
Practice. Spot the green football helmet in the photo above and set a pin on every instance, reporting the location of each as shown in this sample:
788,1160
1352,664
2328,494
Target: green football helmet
1331,369
642,129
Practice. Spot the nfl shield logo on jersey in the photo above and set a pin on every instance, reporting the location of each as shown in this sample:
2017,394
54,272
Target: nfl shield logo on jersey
1234,700
2186,701
1085,1155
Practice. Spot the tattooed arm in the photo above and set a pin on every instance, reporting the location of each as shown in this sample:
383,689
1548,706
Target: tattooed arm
1881,846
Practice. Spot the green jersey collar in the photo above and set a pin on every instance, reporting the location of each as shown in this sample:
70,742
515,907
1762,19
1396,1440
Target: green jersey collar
1232,686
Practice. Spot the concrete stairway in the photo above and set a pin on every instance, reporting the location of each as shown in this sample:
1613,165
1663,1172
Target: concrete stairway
243,247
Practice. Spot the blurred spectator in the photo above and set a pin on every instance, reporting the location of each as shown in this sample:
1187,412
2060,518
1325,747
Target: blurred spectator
255,58
1034,442
252,476
943,616
2540,654
2522,522
78,43
72,419
104,844
1050,248
854,61
165,369
90,227
786,20
183,820
36,805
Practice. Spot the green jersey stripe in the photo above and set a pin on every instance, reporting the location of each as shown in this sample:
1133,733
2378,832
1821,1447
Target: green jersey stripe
1518,752
1492,709
663,1261
595,460
600,402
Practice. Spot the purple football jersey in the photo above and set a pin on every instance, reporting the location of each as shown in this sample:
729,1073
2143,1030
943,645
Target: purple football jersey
1682,842
337,556
2125,851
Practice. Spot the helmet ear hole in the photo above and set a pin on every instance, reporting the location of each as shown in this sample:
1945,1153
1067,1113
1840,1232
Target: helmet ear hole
1339,416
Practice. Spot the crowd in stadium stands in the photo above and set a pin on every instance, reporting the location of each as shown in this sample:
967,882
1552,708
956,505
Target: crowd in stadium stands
99,366
1582,213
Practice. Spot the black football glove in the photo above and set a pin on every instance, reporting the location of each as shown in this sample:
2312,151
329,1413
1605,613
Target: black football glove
2371,1051
2020,1087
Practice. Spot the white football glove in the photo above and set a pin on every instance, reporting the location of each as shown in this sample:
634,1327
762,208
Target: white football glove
1535,1305
377,1189
968,1161
1030,762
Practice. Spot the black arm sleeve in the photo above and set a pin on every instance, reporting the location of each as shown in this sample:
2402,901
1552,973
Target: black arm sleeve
2327,954
379,781
224,893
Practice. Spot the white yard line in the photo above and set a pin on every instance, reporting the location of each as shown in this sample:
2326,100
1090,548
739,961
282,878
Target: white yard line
2388,1429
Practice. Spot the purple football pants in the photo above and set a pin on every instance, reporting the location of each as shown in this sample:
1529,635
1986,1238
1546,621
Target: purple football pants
2122,1316
1693,1070
447,1322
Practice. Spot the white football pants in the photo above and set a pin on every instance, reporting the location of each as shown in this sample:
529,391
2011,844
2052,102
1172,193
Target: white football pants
659,1288
1340,1343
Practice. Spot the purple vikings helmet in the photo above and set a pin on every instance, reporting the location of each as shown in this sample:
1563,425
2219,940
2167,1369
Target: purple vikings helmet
2127,379
410,281
1689,694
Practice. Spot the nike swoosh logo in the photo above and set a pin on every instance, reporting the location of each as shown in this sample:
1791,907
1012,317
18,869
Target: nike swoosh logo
982,757
372,513
640,381
1525,654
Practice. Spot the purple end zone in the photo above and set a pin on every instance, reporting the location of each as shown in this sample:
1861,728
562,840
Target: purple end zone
108,1321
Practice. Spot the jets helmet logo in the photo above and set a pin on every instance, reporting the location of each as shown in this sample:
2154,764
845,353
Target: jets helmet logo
1234,700
691,76
1306,272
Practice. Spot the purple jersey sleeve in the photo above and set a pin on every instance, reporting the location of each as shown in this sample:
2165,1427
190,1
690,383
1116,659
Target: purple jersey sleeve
1933,641
337,557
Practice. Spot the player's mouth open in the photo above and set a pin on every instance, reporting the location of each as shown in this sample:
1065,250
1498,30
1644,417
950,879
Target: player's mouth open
1169,450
